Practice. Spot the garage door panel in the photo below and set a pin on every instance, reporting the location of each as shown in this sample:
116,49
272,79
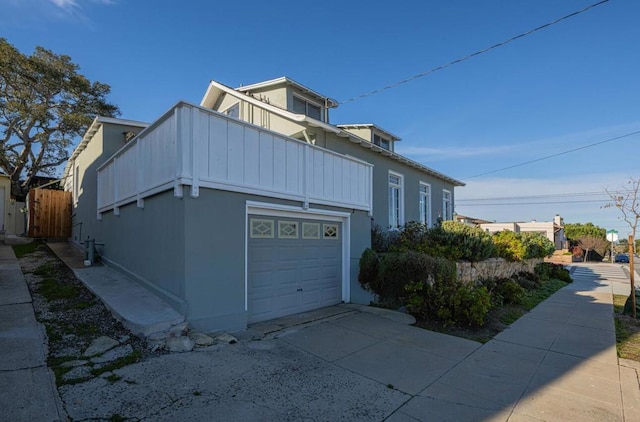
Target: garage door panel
291,275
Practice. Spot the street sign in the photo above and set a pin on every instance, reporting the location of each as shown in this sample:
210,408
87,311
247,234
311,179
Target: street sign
612,235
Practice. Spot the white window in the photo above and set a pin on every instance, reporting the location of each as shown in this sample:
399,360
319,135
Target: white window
425,204
381,142
261,228
396,199
311,230
233,111
288,229
302,106
447,205
330,231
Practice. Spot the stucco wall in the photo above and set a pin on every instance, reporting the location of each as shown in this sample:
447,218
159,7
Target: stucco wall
191,251
412,178
106,141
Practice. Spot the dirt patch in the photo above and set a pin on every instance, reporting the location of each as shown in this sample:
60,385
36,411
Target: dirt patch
73,318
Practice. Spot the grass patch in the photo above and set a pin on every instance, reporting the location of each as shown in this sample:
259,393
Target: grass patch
627,331
26,249
45,270
532,298
113,378
117,364
52,289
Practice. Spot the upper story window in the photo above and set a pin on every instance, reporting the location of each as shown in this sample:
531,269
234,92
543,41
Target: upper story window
233,111
447,205
396,199
302,106
425,204
381,142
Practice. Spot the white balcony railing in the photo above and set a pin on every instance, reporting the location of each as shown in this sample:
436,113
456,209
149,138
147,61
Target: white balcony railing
200,148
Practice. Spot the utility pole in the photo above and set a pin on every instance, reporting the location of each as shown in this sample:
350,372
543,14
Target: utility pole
632,276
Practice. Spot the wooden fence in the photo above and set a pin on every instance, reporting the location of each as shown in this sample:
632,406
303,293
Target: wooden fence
49,213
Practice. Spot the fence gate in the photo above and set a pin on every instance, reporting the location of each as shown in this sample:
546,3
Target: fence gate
49,213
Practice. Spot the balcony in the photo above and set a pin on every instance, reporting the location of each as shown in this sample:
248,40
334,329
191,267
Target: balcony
190,146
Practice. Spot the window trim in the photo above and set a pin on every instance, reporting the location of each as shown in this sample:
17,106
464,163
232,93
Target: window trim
426,220
447,215
306,106
381,140
227,110
400,187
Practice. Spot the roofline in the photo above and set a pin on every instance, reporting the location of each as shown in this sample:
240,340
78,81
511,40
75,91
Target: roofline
330,102
370,125
301,118
91,130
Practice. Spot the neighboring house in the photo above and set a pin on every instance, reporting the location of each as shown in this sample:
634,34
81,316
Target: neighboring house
12,212
469,221
553,230
248,207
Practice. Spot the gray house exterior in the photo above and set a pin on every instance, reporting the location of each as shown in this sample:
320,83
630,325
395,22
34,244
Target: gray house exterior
248,207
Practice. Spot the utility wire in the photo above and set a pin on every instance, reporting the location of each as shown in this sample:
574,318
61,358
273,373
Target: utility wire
546,196
555,155
469,56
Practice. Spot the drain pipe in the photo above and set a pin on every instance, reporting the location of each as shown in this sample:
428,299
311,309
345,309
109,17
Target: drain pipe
90,251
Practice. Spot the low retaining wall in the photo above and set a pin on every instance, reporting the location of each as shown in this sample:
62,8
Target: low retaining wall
493,268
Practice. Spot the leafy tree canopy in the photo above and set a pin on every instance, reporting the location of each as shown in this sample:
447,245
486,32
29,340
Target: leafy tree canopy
575,231
44,104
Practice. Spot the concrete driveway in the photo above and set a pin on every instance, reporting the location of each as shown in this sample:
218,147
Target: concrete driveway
346,364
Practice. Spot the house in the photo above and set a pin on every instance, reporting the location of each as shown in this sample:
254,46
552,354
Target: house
249,206
12,212
469,221
553,230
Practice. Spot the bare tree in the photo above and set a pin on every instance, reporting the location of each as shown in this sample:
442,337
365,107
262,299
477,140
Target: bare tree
627,201
592,243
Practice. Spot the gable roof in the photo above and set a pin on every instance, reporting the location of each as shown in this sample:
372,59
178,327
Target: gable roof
216,89
88,135
371,126
328,102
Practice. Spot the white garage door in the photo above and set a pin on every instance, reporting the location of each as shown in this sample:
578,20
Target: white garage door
294,265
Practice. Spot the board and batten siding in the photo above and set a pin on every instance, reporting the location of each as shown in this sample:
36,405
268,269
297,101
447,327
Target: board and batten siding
197,147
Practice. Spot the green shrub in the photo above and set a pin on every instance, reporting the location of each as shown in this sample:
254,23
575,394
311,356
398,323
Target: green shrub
509,245
537,245
387,274
559,272
399,268
369,270
548,271
452,240
454,303
510,291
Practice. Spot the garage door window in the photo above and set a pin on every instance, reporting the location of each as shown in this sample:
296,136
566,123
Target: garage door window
311,230
288,229
330,231
261,228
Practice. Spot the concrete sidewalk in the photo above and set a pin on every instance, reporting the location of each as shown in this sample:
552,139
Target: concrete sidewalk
142,312
556,363
27,386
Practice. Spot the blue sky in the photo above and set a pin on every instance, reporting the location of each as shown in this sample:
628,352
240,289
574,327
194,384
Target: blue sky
563,88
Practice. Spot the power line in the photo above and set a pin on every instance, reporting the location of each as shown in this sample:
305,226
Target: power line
555,155
547,196
469,56
529,203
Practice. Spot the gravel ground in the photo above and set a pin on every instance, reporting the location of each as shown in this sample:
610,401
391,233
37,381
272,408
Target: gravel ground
74,317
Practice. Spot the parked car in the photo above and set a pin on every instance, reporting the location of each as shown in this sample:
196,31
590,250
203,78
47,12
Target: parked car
622,258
